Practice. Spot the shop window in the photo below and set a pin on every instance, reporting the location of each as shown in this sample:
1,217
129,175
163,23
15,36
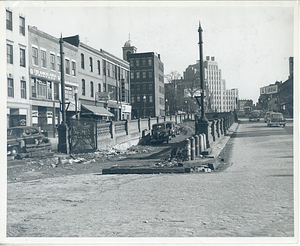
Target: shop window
8,20
23,89
10,87
43,59
83,87
68,92
92,88
82,60
22,57
9,49
52,61
67,67
22,25
73,68
56,91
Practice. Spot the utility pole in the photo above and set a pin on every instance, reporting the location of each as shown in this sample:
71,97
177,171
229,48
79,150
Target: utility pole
63,136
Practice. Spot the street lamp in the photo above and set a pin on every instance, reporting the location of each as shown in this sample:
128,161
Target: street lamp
144,99
167,107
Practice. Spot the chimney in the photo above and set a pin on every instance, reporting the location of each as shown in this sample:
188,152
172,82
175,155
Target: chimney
207,58
158,56
212,58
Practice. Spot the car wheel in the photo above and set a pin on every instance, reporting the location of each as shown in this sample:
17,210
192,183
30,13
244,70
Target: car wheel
14,151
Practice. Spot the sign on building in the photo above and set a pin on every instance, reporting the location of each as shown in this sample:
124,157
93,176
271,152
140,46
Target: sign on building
272,89
103,96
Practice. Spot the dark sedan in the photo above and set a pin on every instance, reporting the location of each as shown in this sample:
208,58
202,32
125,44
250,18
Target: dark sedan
23,139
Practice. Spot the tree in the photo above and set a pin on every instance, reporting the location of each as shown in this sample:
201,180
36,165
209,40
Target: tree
172,93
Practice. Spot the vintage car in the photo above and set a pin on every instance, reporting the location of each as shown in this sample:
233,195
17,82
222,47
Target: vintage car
254,115
23,139
276,119
163,131
267,115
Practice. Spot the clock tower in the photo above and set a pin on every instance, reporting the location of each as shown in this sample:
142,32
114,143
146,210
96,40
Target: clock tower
128,49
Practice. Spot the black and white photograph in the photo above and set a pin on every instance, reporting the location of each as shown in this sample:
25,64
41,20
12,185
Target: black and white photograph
150,122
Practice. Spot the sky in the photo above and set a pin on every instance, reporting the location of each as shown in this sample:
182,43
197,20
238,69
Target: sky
251,41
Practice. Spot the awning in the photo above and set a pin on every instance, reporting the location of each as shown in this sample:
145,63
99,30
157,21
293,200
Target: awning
97,110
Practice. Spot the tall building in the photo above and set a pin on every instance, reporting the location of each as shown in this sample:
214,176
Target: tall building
18,107
146,82
217,97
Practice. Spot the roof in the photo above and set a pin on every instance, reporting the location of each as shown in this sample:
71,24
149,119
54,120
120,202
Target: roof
97,110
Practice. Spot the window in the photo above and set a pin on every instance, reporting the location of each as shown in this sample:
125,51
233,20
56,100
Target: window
149,62
132,99
99,87
33,88
52,61
150,86
104,67
144,75
9,49
137,75
150,98
67,67
82,61
73,68
43,58
137,63
91,64
10,87
150,74
8,20
131,63
143,62
58,64
144,87
83,87
138,87
108,69
132,87
22,25
132,75
92,88
98,67
56,91
22,57
23,89
138,98
68,92
41,88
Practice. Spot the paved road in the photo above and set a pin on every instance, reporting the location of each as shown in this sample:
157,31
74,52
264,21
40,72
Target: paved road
251,197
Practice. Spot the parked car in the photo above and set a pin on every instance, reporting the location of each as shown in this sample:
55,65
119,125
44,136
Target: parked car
276,119
241,113
163,131
254,115
22,139
267,115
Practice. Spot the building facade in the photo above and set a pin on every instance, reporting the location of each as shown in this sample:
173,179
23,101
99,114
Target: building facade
45,79
146,82
18,82
104,82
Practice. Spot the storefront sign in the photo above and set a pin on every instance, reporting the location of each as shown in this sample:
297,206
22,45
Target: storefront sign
126,109
34,114
272,89
262,90
103,96
43,74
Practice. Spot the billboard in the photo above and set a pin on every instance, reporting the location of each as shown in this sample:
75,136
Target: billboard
271,89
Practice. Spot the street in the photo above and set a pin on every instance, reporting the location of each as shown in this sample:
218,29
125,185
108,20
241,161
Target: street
251,196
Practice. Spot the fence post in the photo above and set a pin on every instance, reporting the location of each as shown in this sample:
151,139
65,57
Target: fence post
196,145
192,148
112,129
187,150
127,127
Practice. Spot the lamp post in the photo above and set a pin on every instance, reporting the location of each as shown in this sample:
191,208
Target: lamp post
203,117
76,102
144,99
167,107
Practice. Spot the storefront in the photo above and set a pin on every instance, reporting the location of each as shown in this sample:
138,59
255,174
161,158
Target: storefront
17,117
